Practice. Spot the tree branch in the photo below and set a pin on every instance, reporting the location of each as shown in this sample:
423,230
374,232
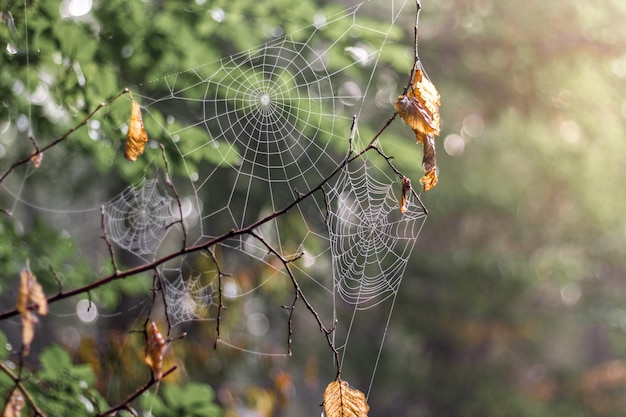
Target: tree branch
124,405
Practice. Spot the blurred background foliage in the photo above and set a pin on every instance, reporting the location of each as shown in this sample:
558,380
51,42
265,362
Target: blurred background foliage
513,302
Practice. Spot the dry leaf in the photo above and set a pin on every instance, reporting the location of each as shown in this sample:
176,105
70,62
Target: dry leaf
341,400
36,159
14,406
137,136
155,348
30,296
406,187
419,108
31,293
429,161
29,320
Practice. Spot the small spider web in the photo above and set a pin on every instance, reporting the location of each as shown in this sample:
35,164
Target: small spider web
139,218
187,299
370,239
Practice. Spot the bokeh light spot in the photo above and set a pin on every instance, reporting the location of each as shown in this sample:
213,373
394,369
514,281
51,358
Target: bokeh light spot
86,311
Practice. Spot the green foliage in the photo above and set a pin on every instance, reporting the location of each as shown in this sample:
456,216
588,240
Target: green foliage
60,385
192,400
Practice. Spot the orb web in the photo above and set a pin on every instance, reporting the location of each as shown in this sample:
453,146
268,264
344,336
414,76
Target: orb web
270,122
139,218
255,130
188,299
370,238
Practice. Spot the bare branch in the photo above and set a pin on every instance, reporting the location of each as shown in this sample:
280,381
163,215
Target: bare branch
61,138
18,383
170,183
105,236
124,405
221,305
300,294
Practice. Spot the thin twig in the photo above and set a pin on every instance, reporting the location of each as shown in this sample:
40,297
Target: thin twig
400,175
300,294
63,137
116,275
126,403
221,305
105,236
18,383
170,183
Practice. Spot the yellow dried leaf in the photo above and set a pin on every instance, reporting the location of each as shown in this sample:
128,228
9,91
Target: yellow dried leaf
137,136
429,161
14,406
406,187
419,107
30,297
36,159
31,293
29,320
155,348
341,400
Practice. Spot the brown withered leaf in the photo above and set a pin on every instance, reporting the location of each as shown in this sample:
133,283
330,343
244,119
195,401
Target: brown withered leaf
30,297
137,136
155,349
36,159
29,319
419,108
429,161
341,400
15,404
406,188
31,293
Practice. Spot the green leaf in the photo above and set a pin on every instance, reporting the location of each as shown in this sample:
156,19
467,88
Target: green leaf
192,400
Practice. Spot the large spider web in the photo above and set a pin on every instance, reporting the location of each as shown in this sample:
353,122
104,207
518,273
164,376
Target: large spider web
252,132
259,128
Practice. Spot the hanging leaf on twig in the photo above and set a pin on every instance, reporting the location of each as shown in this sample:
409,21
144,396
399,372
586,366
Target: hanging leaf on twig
155,349
137,136
14,406
429,161
36,159
419,108
406,188
30,297
341,400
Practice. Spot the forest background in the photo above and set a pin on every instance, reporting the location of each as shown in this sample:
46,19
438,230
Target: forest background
513,302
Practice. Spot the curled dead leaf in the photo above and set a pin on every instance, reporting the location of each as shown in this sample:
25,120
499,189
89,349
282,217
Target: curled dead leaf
137,136
406,188
30,297
36,159
15,404
29,320
155,349
419,108
429,161
341,400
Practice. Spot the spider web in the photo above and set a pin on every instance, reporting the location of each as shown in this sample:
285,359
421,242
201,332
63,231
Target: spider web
139,218
259,128
370,238
252,132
